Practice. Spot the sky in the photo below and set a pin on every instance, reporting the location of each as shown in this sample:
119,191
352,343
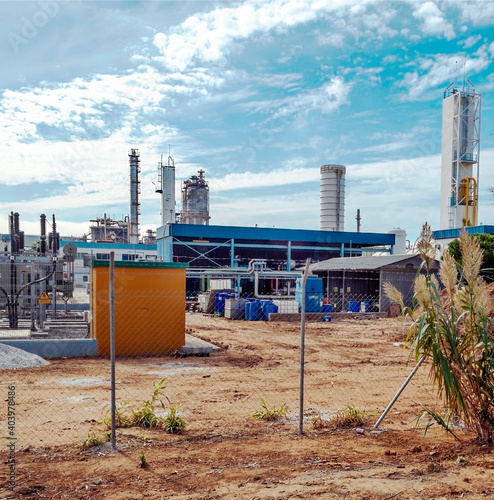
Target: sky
259,94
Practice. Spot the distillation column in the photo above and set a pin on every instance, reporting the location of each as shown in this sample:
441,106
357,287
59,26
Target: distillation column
135,169
166,180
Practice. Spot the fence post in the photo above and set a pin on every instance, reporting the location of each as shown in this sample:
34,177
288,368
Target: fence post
402,388
302,350
112,351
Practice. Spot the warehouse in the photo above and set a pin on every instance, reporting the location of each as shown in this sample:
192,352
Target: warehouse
207,246
360,280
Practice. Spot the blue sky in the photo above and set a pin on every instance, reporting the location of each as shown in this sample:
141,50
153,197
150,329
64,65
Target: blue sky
259,94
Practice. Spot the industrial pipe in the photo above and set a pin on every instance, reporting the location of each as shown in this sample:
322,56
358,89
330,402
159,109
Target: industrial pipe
474,200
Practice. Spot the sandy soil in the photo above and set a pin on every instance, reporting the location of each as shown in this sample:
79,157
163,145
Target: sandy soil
226,453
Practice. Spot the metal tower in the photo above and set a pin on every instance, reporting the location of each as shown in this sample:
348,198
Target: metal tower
195,200
460,151
135,169
166,183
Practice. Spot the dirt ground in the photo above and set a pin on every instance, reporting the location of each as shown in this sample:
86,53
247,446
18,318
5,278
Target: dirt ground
226,453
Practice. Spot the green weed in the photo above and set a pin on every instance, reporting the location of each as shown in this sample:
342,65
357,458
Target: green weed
266,413
144,415
122,418
173,423
350,416
90,442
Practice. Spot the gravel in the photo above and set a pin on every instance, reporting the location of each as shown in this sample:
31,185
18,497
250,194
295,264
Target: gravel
12,358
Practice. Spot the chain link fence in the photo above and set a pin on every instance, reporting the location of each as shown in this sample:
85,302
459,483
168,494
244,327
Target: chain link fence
219,358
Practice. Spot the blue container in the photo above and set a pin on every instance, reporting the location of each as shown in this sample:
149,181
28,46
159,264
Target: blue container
326,318
327,308
367,306
253,311
247,309
219,303
267,308
353,307
314,294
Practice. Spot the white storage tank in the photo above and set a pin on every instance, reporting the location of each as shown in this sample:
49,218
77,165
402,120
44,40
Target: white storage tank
333,197
287,306
400,240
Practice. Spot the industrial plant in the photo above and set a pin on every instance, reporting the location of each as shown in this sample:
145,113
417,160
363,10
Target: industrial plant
242,265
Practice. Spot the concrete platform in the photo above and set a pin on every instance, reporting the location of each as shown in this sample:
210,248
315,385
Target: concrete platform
317,317
21,333
194,346
67,348
56,348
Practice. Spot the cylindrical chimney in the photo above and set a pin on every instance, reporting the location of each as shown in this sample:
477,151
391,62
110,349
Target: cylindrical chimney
333,197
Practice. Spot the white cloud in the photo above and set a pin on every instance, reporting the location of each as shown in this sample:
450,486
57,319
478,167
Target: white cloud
248,180
442,69
479,12
208,37
333,39
390,59
298,210
80,103
325,99
470,41
433,21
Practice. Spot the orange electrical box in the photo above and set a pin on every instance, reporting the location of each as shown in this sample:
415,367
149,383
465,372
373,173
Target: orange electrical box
149,307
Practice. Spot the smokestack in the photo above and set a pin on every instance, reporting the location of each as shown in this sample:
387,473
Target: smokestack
134,161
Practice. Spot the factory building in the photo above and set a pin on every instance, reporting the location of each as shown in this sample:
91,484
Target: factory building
234,246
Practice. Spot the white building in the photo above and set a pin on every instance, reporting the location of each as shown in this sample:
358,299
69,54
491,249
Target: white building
87,251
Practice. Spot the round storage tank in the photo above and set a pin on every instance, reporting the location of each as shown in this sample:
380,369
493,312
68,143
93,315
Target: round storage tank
400,240
333,197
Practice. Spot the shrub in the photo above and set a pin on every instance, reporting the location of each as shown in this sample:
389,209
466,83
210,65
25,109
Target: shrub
454,335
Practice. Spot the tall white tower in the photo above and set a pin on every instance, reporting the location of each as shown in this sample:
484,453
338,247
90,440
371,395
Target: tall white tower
460,150
166,180
333,197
